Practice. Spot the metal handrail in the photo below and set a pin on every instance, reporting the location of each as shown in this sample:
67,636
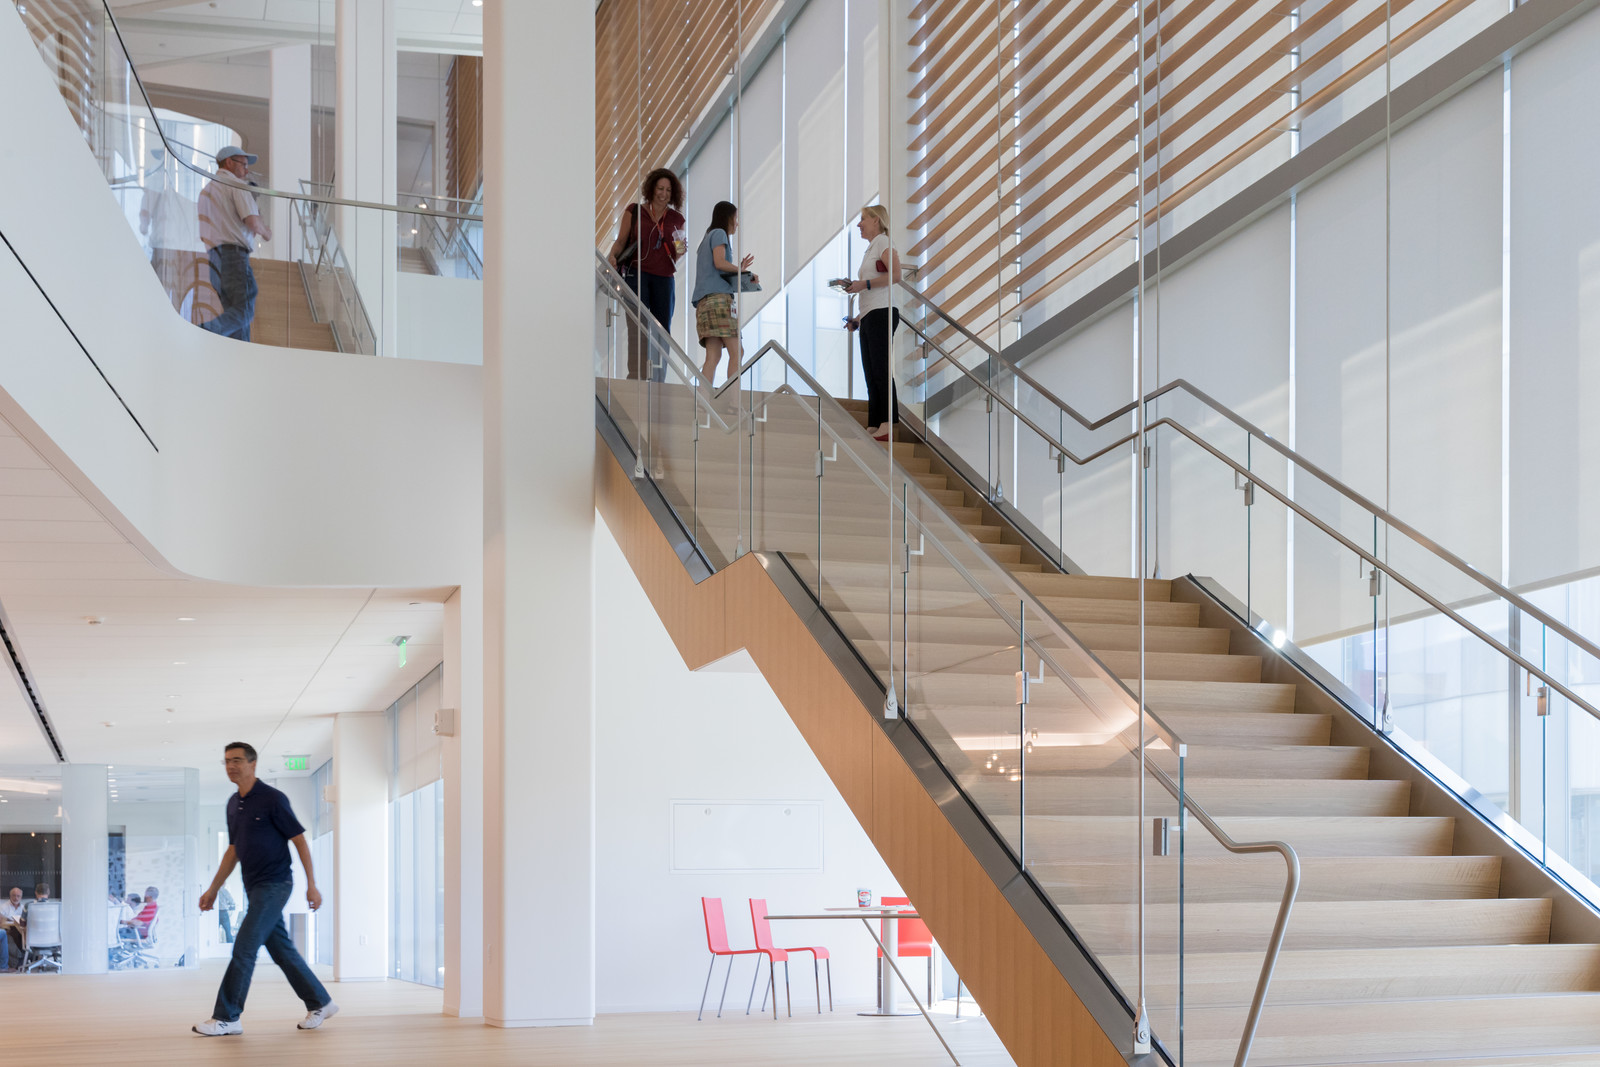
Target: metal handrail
413,194
1029,601
399,206
1005,577
1372,559
1428,544
1280,928
633,306
228,179
331,254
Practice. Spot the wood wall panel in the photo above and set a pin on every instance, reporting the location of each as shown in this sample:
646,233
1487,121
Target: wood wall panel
1031,1007
463,105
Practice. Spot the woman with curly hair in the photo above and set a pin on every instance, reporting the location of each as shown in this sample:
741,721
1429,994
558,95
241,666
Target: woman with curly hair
650,241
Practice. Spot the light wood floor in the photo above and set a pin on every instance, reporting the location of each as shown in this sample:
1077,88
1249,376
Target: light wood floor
143,1018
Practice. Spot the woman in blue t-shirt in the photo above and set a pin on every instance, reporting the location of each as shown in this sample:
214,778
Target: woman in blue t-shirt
716,282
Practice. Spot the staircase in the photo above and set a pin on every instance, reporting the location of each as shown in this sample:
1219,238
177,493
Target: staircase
415,261
1420,935
283,313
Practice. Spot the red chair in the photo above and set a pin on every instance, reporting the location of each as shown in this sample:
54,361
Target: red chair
915,940
717,942
763,936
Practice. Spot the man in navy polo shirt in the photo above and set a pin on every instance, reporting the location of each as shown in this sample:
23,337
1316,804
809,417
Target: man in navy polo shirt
261,827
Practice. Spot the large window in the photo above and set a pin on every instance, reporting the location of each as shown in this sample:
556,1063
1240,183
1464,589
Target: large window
1448,695
416,828
322,860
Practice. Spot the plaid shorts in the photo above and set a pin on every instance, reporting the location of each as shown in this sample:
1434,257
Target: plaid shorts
714,317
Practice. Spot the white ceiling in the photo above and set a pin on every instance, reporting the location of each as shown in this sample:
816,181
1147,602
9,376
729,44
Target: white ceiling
171,668
172,31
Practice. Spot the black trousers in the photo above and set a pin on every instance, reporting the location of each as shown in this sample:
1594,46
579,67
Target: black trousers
658,293
883,406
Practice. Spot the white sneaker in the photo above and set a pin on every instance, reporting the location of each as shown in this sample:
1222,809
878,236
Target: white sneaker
316,1018
215,1028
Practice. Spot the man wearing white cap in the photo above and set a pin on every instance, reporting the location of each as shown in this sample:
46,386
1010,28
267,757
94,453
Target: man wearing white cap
230,222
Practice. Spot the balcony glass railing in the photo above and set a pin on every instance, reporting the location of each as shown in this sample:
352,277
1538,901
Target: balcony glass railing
323,267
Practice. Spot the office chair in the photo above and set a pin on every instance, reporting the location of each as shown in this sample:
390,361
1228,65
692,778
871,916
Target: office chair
41,938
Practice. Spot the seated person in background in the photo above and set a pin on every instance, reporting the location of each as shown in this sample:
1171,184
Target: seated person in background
11,908
11,911
146,915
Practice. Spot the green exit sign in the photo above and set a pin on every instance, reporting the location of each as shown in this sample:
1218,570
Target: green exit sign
296,763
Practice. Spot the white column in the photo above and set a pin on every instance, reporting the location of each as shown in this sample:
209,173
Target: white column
84,861
365,167
195,878
360,847
538,564
463,803
289,117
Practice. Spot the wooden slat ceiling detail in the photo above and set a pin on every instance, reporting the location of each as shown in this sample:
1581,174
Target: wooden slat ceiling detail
1023,123
67,33
665,61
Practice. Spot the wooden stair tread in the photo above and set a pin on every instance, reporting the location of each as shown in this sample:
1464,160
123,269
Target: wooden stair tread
1317,925
1261,877
1052,794
1310,835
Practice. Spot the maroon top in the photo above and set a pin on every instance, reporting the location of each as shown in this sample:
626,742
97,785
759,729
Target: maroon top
655,240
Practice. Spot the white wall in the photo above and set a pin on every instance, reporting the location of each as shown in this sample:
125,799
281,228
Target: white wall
361,847
441,319
666,733
300,795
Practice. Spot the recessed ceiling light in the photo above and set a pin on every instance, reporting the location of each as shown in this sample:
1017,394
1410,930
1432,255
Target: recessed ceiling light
186,618
477,3
420,205
179,662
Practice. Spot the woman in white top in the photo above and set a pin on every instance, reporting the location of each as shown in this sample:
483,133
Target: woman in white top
879,272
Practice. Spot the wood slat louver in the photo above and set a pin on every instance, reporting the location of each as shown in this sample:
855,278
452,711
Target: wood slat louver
660,65
1023,126
464,123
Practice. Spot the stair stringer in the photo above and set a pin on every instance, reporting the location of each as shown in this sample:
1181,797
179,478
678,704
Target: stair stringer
1033,1008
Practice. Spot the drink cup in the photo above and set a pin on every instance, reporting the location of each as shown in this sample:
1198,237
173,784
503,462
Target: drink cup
863,898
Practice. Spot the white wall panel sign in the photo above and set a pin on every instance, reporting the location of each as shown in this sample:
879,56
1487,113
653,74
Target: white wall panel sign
718,836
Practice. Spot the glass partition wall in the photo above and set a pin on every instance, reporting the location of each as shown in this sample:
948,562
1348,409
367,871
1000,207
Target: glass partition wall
1282,298
104,862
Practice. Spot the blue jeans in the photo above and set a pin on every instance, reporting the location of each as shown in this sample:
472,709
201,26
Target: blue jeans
263,925
235,284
